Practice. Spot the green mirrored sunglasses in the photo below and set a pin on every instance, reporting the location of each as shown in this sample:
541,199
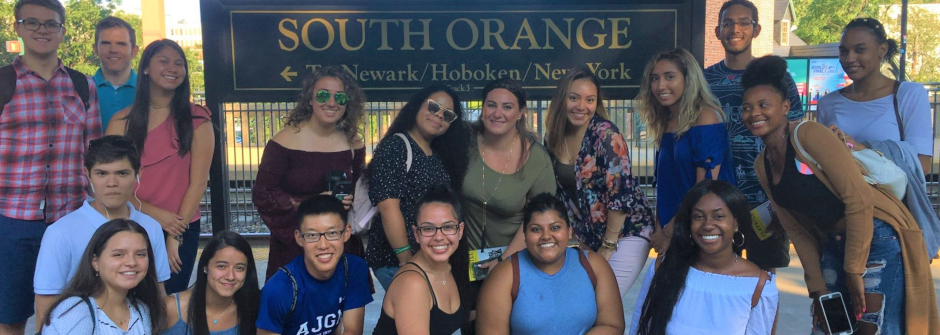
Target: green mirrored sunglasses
341,98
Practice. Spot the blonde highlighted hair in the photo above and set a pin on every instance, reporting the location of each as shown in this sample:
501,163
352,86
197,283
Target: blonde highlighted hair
556,122
695,98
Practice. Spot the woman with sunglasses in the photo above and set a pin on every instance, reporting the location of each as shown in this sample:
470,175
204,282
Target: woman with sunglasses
427,294
607,209
430,135
176,141
320,138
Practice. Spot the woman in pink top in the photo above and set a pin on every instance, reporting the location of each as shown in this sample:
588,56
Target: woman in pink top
176,142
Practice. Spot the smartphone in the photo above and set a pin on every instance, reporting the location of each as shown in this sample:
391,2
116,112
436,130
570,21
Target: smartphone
341,189
836,314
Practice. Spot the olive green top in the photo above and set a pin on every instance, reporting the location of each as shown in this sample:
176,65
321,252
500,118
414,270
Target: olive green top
504,203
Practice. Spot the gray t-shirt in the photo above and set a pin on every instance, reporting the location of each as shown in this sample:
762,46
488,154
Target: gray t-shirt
503,204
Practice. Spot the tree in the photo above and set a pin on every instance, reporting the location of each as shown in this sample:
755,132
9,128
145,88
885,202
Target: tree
821,21
7,33
76,51
923,42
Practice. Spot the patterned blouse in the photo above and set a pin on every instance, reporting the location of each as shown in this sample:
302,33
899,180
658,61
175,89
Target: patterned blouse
605,182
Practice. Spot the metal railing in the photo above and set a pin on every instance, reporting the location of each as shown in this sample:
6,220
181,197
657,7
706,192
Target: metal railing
247,127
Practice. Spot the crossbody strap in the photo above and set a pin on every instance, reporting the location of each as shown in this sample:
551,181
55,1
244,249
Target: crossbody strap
760,288
897,112
799,147
293,302
514,260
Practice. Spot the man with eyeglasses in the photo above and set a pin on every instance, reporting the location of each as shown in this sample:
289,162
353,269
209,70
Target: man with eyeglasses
44,131
322,291
736,29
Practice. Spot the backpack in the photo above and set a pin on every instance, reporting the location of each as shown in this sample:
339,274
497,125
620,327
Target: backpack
361,214
8,85
293,282
581,257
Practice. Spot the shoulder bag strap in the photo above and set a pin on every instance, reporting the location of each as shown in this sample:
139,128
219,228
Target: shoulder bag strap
293,301
7,85
897,113
408,148
799,147
342,304
760,288
515,276
587,266
91,311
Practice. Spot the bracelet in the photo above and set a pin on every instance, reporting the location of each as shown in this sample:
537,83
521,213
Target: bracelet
178,238
398,251
614,231
612,245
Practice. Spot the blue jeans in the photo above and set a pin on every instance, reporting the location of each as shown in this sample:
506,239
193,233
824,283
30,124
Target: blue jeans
180,281
385,275
884,275
19,248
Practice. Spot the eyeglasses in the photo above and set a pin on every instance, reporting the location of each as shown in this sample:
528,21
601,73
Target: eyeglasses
743,24
430,231
332,235
341,98
33,25
434,107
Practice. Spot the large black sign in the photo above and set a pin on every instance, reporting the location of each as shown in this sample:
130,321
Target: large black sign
260,52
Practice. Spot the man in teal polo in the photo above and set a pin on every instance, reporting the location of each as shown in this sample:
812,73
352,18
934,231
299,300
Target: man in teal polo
115,47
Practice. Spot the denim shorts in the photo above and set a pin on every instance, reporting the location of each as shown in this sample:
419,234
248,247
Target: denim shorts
19,248
884,275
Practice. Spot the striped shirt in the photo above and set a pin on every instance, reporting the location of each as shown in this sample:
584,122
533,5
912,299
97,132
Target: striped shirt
44,132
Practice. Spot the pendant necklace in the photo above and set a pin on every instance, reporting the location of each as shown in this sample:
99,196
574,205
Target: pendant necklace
217,317
487,197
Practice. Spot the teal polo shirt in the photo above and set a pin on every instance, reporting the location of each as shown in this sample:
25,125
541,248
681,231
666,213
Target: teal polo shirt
112,99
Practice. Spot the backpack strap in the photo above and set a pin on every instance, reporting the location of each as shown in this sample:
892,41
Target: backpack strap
7,85
293,301
408,148
897,113
587,266
760,288
582,257
514,260
91,310
342,304
80,82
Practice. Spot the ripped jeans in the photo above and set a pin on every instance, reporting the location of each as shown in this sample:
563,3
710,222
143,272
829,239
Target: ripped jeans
885,276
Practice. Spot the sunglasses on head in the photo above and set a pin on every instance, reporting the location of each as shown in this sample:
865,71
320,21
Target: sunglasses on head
341,98
434,107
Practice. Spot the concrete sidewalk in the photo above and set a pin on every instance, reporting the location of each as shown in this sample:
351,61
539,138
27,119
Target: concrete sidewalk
794,304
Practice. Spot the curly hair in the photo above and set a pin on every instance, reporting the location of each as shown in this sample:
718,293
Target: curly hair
352,120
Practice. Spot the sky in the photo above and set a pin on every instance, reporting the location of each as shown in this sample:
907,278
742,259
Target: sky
175,9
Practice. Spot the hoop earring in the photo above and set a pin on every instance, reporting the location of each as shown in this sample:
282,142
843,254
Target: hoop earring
736,233
691,240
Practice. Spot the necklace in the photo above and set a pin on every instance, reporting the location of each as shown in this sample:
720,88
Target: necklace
489,196
215,320
443,274
160,107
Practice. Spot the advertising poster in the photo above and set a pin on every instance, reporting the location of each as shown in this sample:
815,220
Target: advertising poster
825,76
798,69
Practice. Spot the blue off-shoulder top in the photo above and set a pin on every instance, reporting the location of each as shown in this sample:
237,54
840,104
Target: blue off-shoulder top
703,146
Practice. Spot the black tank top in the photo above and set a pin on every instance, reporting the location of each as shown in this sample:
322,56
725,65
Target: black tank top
805,194
441,323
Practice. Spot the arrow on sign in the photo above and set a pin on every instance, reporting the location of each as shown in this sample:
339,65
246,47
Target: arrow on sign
287,73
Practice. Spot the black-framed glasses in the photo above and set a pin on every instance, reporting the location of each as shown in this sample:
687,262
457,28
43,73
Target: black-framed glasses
332,235
743,24
33,25
447,229
434,107
341,97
